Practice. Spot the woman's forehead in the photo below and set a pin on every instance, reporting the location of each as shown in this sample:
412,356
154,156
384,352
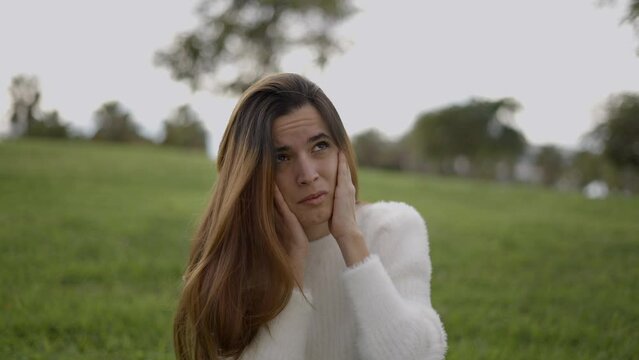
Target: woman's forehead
303,122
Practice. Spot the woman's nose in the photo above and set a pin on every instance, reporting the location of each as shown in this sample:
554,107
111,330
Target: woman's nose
306,171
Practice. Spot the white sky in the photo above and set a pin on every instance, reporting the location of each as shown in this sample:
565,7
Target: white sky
559,59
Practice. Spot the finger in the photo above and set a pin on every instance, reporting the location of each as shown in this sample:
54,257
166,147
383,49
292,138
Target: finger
279,201
341,170
347,168
283,208
344,176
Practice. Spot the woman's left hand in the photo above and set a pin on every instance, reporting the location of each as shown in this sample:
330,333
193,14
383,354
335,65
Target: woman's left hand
343,224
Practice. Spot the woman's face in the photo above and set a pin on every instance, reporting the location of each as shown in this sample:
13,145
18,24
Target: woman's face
306,167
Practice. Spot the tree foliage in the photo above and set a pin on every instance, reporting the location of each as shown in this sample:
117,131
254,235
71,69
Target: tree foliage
374,150
587,166
476,130
184,129
551,162
25,115
51,125
369,147
25,99
619,132
249,37
114,123
631,12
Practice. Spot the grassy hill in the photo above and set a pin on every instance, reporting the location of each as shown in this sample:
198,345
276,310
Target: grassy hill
94,237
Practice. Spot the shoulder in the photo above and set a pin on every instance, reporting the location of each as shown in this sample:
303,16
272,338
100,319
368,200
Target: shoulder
390,221
397,234
384,214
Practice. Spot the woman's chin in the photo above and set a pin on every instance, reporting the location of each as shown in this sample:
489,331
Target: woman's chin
316,218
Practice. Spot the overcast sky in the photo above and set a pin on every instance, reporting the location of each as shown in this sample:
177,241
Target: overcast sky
559,59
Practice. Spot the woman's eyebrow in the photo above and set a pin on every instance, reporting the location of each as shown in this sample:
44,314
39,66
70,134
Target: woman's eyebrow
311,139
317,137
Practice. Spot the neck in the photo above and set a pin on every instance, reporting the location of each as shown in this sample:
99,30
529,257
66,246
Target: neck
317,231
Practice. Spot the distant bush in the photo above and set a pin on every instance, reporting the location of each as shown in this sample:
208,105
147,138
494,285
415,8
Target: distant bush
184,129
49,126
374,150
116,124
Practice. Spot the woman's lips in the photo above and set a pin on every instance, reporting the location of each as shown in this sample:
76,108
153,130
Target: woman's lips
314,199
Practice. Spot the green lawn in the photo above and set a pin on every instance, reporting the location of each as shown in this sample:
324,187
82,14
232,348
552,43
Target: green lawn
94,237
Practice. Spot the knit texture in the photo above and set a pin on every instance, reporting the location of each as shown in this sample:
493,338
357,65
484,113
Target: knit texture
377,309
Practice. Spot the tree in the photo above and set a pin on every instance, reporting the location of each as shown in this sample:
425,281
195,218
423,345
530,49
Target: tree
632,12
249,37
587,166
51,125
619,132
477,131
114,123
551,162
374,150
25,115
184,129
369,146
618,136
25,96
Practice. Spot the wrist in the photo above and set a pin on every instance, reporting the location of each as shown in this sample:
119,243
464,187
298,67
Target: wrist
350,237
354,249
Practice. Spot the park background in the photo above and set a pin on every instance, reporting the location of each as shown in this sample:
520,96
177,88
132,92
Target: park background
512,128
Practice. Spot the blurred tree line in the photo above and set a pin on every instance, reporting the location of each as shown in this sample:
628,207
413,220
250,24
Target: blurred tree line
113,121
477,139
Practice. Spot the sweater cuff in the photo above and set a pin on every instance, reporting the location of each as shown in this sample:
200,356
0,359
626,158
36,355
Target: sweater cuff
372,292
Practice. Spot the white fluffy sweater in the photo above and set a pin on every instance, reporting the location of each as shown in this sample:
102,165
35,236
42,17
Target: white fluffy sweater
377,309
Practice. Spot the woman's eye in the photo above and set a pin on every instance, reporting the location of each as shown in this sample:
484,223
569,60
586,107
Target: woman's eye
281,157
321,146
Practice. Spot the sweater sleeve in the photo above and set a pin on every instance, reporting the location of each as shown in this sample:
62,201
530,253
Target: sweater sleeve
390,291
285,336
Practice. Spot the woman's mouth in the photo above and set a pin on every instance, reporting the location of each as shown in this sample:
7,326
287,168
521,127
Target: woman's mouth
314,199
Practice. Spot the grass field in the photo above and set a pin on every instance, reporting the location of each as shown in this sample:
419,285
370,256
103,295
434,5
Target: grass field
94,237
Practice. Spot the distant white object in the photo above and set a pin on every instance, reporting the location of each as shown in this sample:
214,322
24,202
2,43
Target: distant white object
461,165
596,189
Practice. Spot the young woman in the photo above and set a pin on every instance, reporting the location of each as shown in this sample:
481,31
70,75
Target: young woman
287,263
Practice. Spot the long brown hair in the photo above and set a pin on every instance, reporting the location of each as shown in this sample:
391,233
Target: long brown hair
239,276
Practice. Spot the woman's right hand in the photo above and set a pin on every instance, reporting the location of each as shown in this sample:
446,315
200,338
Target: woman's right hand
295,238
